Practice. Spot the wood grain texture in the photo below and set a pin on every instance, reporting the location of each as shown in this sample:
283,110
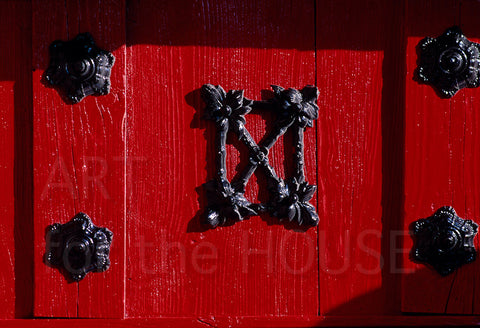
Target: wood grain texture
7,256
79,158
359,74
441,164
16,237
380,136
229,321
174,267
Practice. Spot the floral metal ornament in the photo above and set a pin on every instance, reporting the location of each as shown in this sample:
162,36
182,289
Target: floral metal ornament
449,63
289,200
78,247
444,240
78,68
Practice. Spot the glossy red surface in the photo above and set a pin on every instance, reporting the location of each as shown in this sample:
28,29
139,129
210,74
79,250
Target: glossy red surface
384,152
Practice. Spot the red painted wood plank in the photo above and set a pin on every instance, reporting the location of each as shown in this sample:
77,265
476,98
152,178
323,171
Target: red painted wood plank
440,164
7,256
7,273
283,321
53,296
256,267
16,241
79,158
359,69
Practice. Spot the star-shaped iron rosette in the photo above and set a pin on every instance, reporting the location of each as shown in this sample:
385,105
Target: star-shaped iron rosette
444,240
78,247
449,63
78,68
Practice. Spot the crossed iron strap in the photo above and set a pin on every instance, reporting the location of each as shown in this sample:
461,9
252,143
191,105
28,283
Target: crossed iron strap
295,110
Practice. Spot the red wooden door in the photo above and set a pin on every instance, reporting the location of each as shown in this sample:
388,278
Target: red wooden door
384,152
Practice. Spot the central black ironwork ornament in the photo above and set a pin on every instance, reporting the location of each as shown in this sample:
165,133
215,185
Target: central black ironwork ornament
444,240
295,110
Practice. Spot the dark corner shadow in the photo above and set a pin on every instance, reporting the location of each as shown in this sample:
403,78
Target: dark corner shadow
370,304
196,224
361,305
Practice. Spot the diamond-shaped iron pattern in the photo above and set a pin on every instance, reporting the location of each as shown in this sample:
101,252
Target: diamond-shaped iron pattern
295,110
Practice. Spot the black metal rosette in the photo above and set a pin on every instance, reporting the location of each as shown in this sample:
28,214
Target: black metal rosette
444,240
449,63
294,109
78,68
78,247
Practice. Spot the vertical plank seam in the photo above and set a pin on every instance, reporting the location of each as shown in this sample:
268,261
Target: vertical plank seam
451,180
393,197
78,299
450,291
459,13
316,155
66,18
74,191
125,154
